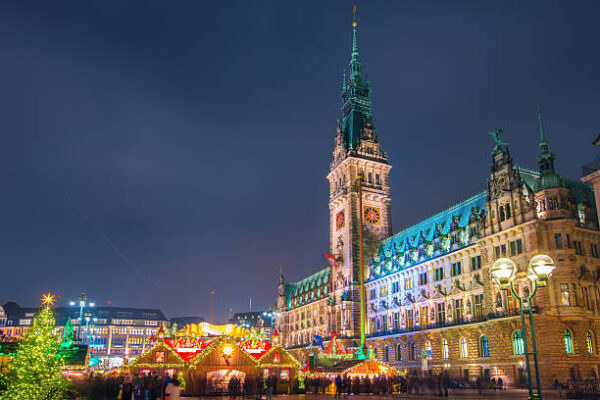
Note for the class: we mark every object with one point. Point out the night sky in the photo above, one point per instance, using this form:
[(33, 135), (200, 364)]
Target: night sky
[(152, 151)]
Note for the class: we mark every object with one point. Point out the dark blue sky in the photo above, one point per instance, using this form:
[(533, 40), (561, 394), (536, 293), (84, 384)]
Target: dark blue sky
[(154, 150)]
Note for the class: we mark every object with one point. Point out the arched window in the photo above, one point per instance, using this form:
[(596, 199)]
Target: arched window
[(377, 179), (590, 343), (464, 349), (375, 352), (445, 350), (411, 352), (568, 342), (386, 354), (484, 347), (518, 344), (399, 352), (502, 217), (370, 176)]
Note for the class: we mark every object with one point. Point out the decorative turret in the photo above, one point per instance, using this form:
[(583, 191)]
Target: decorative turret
[(507, 201), (548, 177)]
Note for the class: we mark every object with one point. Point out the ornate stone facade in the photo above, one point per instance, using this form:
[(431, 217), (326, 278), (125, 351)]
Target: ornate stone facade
[(431, 303)]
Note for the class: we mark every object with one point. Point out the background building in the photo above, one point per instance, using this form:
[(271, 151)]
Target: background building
[(431, 302), (110, 332), (260, 320)]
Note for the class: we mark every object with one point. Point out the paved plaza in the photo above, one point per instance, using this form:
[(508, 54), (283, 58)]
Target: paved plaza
[(462, 394)]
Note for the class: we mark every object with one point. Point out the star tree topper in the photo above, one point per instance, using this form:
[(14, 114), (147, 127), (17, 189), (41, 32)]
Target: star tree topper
[(48, 299)]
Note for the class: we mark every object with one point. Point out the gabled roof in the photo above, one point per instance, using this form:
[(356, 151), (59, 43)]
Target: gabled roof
[(145, 359), (291, 360), (221, 340)]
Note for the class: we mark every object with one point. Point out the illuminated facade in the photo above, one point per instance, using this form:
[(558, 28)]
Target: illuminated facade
[(431, 304)]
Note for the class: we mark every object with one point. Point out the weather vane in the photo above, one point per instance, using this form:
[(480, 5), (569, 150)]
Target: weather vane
[(499, 143)]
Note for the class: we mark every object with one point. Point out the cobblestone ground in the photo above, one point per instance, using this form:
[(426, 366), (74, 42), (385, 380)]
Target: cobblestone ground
[(462, 394)]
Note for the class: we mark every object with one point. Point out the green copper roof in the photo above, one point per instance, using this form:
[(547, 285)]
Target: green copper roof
[(414, 245), (356, 98), (548, 177), (308, 289)]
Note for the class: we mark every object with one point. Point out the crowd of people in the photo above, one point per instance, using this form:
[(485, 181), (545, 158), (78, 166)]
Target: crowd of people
[(127, 387)]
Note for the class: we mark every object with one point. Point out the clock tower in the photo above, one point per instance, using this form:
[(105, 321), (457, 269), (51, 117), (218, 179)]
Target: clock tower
[(357, 154)]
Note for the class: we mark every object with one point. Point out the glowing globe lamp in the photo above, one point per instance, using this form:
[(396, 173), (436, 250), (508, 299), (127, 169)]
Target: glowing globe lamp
[(542, 266), (503, 271)]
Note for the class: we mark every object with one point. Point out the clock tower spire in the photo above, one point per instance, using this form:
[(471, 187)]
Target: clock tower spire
[(357, 155)]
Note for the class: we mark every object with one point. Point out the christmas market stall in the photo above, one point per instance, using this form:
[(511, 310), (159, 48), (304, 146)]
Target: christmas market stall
[(223, 360), (232, 362), (326, 363), (160, 358), (281, 367)]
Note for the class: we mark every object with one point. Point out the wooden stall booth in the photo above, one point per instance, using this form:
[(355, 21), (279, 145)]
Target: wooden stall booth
[(278, 365), (212, 369)]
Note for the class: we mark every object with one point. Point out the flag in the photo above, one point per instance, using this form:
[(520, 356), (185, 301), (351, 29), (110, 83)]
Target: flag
[(319, 341), (332, 260)]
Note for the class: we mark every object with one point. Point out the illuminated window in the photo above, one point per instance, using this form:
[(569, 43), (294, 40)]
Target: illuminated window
[(409, 319), (590, 343), (464, 349), (565, 297), (484, 348), (383, 291), (518, 343), (568, 342), (445, 350)]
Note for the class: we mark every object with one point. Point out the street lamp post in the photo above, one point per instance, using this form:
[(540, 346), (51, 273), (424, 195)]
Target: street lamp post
[(539, 270), (83, 302)]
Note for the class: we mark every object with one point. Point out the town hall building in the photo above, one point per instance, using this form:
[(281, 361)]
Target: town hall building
[(431, 304)]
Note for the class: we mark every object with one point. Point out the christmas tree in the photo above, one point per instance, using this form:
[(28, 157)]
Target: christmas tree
[(36, 371)]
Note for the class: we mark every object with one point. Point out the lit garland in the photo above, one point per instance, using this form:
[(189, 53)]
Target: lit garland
[(214, 345), (36, 372), (138, 364), (295, 363)]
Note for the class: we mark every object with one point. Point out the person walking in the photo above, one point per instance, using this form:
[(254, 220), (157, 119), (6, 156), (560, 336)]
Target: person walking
[(338, 387), (173, 391), (126, 392)]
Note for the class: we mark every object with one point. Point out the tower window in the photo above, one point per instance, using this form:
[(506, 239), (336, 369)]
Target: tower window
[(568, 342), (445, 350), (518, 343), (464, 349), (502, 215), (377, 179), (507, 211), (370, 177), (590, 343)]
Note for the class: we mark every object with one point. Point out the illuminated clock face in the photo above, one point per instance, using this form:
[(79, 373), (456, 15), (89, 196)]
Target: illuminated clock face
[(372, 215), (340, 220)]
